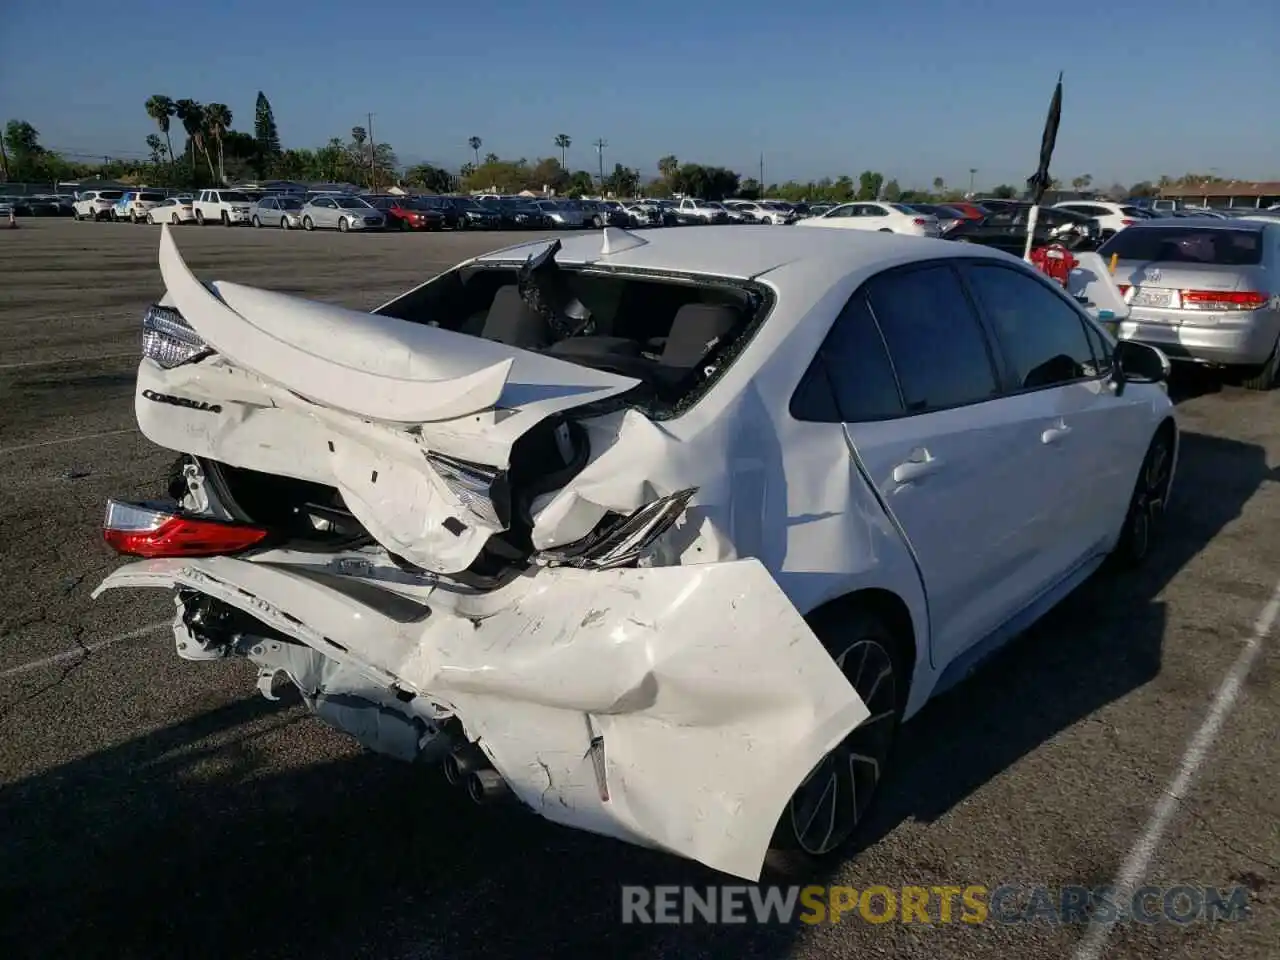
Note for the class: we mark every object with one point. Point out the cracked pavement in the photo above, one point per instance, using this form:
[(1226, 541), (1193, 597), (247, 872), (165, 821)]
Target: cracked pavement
[(150, 806)]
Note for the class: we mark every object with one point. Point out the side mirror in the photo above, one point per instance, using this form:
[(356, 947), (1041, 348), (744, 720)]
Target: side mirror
[(1138, 363)]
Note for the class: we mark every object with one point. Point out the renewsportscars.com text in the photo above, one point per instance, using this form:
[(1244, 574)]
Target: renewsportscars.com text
[(969, 904)]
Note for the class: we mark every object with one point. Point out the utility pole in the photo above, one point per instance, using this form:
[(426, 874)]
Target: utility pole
[(600, 145), (972, 172), (761, 175), (373, 159)]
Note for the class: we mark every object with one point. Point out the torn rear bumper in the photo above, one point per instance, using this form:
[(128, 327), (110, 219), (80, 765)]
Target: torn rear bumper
[(672, 707)]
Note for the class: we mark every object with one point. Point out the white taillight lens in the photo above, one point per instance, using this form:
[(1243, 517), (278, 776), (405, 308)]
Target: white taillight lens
[(168, 339), (481, 489)]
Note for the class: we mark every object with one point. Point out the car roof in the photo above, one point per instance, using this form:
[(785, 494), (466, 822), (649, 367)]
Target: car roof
[(731, 251), (1207, 223)]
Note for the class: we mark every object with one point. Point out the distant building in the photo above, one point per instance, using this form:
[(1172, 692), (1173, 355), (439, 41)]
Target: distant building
[(1223, 194)]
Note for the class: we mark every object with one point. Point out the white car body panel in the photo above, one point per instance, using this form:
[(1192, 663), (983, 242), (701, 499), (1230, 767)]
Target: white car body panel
[(682, 671), (713, 697), (889, 220)]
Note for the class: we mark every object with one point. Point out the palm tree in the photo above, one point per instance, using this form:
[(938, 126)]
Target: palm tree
[(191, 113), (563, 142), (938, 184), (490, 158), (475, 143), (217, 118), (160, 109)]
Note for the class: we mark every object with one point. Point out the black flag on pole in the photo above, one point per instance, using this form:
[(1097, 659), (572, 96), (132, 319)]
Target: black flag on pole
[(1039, 181)]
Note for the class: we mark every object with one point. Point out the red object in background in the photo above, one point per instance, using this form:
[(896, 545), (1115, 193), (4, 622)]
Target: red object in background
[(971, 211), (1054, 261)]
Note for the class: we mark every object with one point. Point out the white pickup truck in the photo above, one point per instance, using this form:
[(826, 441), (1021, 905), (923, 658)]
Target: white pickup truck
[(691, 210)]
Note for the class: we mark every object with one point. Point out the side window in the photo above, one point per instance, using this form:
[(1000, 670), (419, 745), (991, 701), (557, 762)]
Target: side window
[(874, 211), (850, 379), (1101, 349), (934, 338), (1042, 335)]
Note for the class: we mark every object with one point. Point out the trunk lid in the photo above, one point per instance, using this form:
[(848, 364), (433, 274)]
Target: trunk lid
[(413, 425)]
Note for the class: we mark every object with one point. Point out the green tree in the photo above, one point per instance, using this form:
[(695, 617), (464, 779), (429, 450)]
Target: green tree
[(492, 158), (892, 192), (1143, 188), (217, 118), (749, 189), (429, 177), (190, 114), (160, 109), (156, 146), (869, 183), (580, 183), (1081, 182), (28, 160), (939, 184), (266, 133), (564, 142), (1004, 192), (475, 143)]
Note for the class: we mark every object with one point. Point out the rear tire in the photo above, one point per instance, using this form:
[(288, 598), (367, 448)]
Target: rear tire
[(825, 812), (151, 220), (175, 220), (1148, 504), (884, 230), (1263, 378), (308, 223)]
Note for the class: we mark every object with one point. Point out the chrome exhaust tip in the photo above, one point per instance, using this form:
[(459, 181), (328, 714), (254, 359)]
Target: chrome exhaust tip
[(463, 762), (485, 786)]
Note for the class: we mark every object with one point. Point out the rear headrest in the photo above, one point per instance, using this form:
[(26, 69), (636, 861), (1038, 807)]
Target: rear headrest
[(696, 330), (514, 322)]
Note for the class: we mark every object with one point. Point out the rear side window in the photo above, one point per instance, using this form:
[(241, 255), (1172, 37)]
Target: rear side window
[(851, 379), (1227, 248), (1042, 336), (935, 340)]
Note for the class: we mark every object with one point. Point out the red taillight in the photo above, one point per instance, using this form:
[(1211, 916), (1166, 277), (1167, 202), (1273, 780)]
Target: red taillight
[(138, 530), (1123, 288), (1223, 299), (1128, 223), (920, 221)]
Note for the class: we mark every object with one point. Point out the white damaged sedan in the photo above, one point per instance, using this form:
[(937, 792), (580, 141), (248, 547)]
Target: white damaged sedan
[(663, 537)]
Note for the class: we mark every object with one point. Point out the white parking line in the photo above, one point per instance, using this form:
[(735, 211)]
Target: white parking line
[(1144, 848), (84, 651), (51, 443), (51, 363)]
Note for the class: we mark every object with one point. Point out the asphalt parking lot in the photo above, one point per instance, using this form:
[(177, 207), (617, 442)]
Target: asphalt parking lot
[(154, 807)]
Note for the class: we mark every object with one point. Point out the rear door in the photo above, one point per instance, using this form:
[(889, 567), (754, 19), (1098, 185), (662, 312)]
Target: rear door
[(1089, 441), (957, 465)]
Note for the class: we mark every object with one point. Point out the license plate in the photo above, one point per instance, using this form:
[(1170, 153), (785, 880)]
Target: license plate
[(1152, 298)]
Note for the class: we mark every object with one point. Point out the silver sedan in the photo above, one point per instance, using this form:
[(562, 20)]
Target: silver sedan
[(341, 213)]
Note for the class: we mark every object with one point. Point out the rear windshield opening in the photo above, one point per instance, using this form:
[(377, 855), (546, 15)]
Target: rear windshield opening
[(1227, 248), (674, 334)]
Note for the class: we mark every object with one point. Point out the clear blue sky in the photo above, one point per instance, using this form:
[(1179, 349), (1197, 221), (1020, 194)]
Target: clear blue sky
[(915, 88)]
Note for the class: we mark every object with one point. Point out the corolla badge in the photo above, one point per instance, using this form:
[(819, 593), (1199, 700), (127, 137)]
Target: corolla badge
[(1151, 276)]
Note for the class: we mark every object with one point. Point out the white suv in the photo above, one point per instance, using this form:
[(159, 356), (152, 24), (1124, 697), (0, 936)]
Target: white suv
[(96, 204), (225, 206), (1111, 217)]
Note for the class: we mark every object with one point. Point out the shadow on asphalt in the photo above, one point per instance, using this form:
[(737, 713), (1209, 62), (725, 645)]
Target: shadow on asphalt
[(156, 848)]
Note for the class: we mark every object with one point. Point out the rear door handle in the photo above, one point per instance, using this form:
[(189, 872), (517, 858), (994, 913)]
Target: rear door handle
[(1055, 433), (920, 465)]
